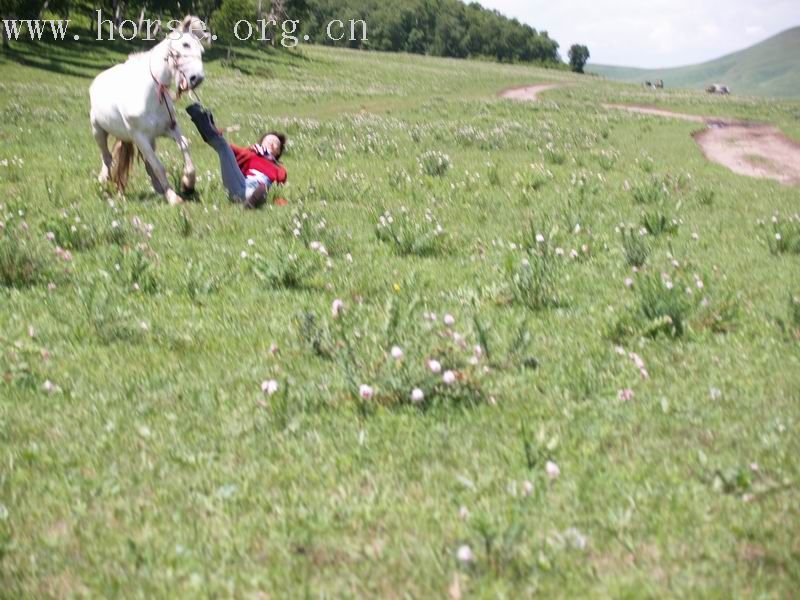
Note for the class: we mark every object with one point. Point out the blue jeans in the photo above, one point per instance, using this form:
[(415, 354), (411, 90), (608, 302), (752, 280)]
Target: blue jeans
[(238, 186)]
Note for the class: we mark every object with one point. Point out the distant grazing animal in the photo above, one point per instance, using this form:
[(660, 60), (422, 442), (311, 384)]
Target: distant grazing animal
[(718, 88), (658, 84), (133, 103)]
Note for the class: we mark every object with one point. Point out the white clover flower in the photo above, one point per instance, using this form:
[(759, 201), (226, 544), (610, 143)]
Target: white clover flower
[(243, 254), (628, 282), (552, 470), (559, 252), (251, 242), (449, 377), (269, 387), (435, 366), (465, 554), (463, 512), (539, 238), (449, 320), (336, 308), (417, 395), (365, 391), (397, 353), (527, 488)]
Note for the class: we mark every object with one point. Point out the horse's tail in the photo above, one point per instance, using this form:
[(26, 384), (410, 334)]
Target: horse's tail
[(121, 163)]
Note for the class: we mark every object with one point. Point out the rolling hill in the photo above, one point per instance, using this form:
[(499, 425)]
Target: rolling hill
[(770, 68)]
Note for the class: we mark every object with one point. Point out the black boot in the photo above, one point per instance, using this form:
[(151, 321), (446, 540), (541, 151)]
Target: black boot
[(204, 121)]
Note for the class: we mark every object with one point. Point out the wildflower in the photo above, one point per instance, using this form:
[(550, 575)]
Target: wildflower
[(577, 228), (365, 391), (397, 353), (243, 254), (296, 232), (699, 284), (625, 395), (539, 238), (465, 554), (449, 320), (573, 253), (527, 488), (114, 224), (449, 377), (50, 236), (336, 308), (417, 395), (559, 252), (628, 282), (668, 284), (269, 387), (778, 237), (49, 387), (463, 512), (552, 470), (585, 248), (251, 242), (695, 236), (349, 257), (435, 366)]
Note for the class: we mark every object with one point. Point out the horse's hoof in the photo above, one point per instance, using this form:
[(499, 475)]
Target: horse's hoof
[(173, 198)]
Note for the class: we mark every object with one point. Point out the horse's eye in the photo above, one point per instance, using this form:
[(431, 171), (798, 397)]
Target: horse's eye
[(186, 45)]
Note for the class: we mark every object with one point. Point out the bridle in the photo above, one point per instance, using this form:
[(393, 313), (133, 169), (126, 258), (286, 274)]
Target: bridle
[(164, 95)]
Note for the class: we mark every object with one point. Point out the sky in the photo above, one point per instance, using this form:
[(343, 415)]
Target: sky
[(654, 33)]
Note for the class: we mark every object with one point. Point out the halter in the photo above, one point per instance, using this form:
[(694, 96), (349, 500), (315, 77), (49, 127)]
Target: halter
[(164, 95)]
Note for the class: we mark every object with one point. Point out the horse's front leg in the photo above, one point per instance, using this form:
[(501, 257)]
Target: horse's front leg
[(189, 178), (156, 170)]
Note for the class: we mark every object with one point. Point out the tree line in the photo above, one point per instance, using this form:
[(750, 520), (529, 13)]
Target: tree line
[(435, 27)]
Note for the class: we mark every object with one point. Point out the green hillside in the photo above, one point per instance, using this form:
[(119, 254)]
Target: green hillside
[(770, 68)]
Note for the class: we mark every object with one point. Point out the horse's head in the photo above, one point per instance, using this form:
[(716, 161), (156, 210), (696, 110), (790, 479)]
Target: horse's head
[(186, 54)]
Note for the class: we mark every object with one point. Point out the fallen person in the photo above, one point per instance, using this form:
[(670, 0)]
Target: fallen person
[(247, 173)]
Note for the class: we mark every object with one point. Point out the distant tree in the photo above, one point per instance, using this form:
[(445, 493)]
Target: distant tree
[(226, 17), (578, 55)]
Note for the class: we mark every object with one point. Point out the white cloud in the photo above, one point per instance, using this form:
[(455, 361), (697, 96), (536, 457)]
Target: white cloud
[(654, 33)]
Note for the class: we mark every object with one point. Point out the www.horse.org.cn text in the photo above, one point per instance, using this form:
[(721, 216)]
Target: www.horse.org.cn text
[(268, 31)]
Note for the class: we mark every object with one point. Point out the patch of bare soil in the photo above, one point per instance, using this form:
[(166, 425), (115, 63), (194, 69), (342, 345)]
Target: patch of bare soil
[(529, 93), (750, 149)]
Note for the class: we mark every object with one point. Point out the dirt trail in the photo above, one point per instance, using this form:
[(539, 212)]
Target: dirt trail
[(746, 148), (528, 93), (750, 149)]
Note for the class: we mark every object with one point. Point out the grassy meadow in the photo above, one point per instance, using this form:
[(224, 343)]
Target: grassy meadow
[(488, 349)]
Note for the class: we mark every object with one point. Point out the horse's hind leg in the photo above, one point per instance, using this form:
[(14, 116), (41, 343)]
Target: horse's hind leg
[(101, 137)]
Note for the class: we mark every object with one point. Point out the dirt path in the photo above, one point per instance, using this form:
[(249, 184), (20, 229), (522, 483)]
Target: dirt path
[(529, 93), (750, 149)]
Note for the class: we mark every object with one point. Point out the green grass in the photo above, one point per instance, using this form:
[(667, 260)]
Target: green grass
[(769, 68), (139, 455)]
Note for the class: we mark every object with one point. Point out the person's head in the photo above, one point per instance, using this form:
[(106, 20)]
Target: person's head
[(274, 143)]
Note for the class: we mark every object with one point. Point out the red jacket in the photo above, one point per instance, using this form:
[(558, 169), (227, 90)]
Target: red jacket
[(249, 160)]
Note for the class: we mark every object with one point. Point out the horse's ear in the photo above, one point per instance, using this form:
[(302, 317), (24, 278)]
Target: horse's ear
[(196, 27), (186, 24)]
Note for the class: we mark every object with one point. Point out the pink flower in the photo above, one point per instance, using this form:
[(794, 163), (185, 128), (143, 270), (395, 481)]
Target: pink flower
[(336, 308), (625, 395), (449, 377), (365, 391), (449, 320), (269, 387)]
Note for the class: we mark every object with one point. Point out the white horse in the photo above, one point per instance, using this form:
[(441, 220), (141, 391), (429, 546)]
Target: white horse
[(132, 102)]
